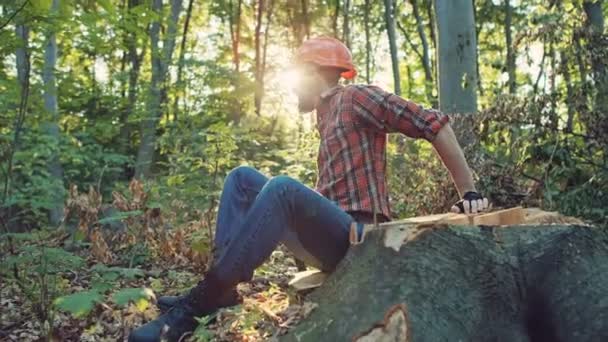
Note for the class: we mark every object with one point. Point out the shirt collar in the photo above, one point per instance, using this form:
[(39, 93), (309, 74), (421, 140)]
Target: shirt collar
[(331, 92)]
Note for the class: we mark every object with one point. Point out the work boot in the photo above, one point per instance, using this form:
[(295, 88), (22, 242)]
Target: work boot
[(230, 298), (202, 300)]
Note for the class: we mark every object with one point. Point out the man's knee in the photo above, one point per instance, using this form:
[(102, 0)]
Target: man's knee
[(241, 171), (281, 183)]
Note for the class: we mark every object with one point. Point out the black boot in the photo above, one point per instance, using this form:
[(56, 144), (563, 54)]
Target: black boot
[(230, 298), (202, 300)]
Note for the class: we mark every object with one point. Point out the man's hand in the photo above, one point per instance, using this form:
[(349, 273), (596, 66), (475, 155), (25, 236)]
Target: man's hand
[(471, 203)]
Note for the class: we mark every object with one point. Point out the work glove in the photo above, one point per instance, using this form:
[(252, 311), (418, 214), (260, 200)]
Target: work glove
[(471, 203)]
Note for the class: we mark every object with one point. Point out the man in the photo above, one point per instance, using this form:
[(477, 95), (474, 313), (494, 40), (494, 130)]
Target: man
[(257, 213)]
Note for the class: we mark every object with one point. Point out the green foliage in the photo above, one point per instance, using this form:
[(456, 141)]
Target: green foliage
[(140, 297), (39, 272), (79, 304), (202, 333)]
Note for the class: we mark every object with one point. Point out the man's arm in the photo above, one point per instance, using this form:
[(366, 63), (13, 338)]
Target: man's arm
[(451, 154)]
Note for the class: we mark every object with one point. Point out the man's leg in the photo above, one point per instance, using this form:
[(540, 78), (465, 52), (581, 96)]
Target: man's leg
[(241, 187), (283, 204)]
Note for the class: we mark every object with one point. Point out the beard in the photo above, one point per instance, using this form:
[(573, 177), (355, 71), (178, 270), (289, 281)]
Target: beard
[(306, 104)]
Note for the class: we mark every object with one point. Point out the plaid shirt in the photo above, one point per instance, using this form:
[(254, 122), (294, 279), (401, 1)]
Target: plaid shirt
[(353, 123)]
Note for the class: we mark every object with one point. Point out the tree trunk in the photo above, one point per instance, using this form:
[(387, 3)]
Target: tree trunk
[(457, 62), (266, 35), (181, 61), (135, 61), (258, 57), (346, 24), (235, 33), (510, 52), (389, 16), (306, 18), (412, 282), (234, 21), (51, 127), (334, 21), (426, 62), (597, 45), (368, 44), (22, 61), (160, 61), (570, 100)]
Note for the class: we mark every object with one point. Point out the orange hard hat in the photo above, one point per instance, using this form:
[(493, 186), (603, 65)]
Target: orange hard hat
[(327, 52)]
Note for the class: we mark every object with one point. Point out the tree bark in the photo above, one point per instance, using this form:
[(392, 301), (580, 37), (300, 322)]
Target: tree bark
[(368, 44), (510, 53), (258, 93), (598, 125), (51, 127), (457, 63), (181, 61), (389, 16), (266, 35), (22, 61), (346, 24), (306, 18), (426, 62), (464, 283), (335, 16), (135, 61), (160, 60), (570, 100)]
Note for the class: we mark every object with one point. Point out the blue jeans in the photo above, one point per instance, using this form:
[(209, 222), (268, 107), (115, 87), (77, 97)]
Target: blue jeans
[(257, 213)]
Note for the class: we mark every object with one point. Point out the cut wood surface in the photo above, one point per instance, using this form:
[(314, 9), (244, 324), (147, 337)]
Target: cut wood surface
[(526, 282), (307, 280)]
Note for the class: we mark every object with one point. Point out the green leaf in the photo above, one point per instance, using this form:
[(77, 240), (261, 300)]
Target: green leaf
[(139, 296), (78, 304)]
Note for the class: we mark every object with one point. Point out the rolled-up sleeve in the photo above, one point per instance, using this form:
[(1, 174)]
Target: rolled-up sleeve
[(393, 113)]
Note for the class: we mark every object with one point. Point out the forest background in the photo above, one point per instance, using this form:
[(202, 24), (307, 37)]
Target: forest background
[(120, 118)]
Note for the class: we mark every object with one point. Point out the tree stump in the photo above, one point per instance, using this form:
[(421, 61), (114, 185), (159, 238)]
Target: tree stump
[(439, 282)]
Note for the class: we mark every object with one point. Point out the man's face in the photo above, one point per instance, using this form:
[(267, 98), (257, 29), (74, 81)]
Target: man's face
[(307, 86)]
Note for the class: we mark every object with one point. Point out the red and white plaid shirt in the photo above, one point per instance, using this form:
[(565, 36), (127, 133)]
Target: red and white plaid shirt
[(353, 122)]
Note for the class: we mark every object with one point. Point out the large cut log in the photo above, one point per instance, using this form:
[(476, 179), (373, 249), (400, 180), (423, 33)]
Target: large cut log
[(436, 282)]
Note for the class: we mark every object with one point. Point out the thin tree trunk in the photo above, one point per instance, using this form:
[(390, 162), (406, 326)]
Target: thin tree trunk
[(368, 44), (22, 61), (258, 58), (426, 62), (181, 61), (478, 27), (306, 18), (235, 31), (431, 25), (390, 30), (160, 60), (510, 52), (569, 93), (51, 127), (335, 18), (346, 23), (234, 20), (135, 61), (595, 24), (266, 35), (553, 87)]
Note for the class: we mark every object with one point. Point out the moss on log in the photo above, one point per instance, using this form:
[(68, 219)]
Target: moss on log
[(408, 282)]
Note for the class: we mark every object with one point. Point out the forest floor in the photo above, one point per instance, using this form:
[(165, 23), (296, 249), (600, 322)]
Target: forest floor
[(269, 308), (174, 261)]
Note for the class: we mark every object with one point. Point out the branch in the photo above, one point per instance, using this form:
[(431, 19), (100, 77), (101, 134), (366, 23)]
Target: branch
[(407, 37), (14, 14)]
